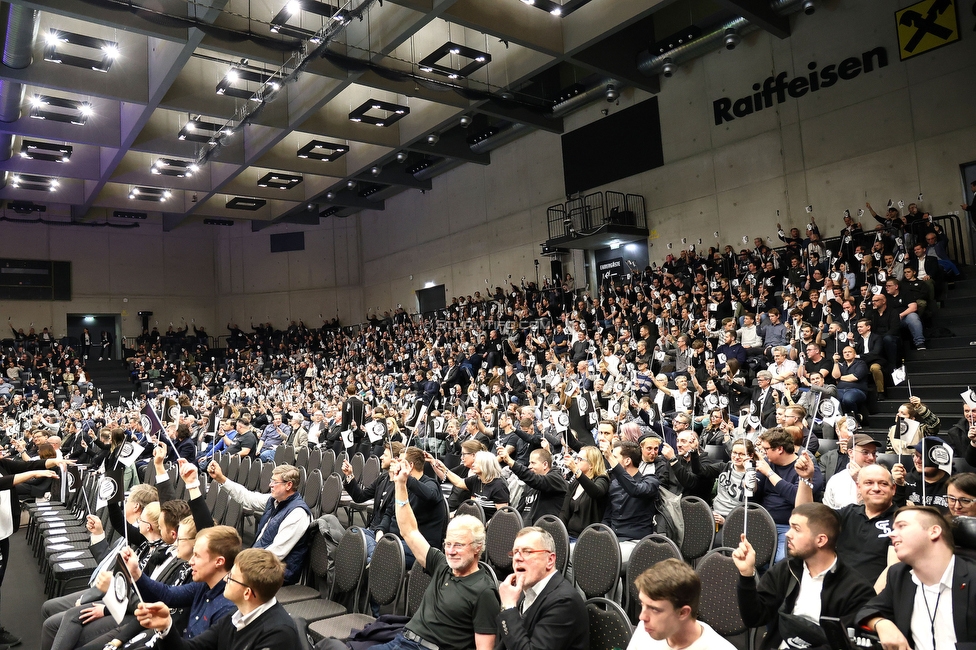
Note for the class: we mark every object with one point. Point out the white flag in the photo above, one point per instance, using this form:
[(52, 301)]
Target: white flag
[(898, 375)]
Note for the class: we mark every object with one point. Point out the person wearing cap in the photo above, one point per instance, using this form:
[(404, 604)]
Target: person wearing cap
[(908, 485), (928, 602), (842, 488)]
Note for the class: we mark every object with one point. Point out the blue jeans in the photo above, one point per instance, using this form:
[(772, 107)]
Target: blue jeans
[(268, 455), (914, 325), (851, 399), (399, 643), (780, 542)]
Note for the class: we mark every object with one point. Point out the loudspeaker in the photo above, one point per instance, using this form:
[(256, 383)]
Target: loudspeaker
[(60, 280)]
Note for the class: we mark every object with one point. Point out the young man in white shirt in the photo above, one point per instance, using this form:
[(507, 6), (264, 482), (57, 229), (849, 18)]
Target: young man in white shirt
[(669, 596)]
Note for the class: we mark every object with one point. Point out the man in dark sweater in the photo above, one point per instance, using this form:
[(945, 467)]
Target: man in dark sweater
[(545, 490), (260, 621), (630, 511)]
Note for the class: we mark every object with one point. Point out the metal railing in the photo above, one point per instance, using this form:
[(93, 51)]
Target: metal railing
[(591, 212)]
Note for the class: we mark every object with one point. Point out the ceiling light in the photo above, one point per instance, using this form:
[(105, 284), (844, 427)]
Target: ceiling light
[(127, 214), (321, 150), (173, 167), (401, 156), (668, 68), (293, 7), (244, 203), (612, 93), (351, 184), (432, 62), (80, 51), (198, 130), (142, 193), (34, 182), (59, 109), (279, 180), (556, 11), (732, 39), (279, 24), (46, 151), (390, 113), (330, 196), (250, 78), (218, 222), (376, 170), (433, 139), (465, 121), (808, 7)]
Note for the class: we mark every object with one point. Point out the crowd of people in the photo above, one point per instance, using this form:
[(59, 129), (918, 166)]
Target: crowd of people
[(714, 376)]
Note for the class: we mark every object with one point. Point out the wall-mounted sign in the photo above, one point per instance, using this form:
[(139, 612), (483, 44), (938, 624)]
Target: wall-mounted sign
[(776, 89), (925, 26)]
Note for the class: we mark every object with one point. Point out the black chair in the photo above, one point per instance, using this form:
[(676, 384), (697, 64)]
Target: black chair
[(473, 508), (315, 460), (719, 605), (371, 471), (500, 534), (312, 492), (959, 465), (827, 445), (267, 469), (386, 572), (610, 629), (220, 505), (233, 515), (648, 552), (350, 566), (596, 560), (245, 470), (253, 481), (557, 529), (890, 460), (318, 564), (301, 458), (699, 528), (417, 582), (233, 467), (331, 493), (760, 531), (717, 452), (328, 464)]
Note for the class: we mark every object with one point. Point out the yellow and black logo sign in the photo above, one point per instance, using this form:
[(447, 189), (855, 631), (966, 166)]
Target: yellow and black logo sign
[(925, 26)]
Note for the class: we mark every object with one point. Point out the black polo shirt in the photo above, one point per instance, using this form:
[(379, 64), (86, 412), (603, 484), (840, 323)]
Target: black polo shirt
[(863, 543)]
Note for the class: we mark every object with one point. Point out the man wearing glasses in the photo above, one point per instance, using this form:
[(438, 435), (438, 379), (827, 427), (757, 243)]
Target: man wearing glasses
[(540, 609), (886, 323), (285, 517), (460, 607)]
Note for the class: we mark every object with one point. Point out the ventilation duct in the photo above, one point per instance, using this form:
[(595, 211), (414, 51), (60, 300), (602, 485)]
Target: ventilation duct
[(6, 146), (21, 31), (18, 44), (653, 64)]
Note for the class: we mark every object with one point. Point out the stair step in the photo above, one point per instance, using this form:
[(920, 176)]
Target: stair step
[(962, 351), (952, 342)]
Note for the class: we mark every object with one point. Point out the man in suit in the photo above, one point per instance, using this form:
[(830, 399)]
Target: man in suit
[(260, 621), (352, 411), (942, 614), (870, 349), (539, 608), (764, 399)]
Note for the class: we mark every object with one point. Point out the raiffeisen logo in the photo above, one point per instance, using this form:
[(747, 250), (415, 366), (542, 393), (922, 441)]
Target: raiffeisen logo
[(777, 88)]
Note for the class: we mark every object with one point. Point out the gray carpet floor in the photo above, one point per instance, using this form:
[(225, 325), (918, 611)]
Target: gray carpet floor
[(22, 594)]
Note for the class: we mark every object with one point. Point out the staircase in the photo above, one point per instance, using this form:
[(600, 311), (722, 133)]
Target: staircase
[(110, 377), (939, 374)]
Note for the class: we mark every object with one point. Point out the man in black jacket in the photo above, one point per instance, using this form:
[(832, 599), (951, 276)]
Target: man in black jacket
[(785, 599), (260, 621), (943, 613), (545, 490), (539, 608), (694, 474), (381, 492), (630, 510)]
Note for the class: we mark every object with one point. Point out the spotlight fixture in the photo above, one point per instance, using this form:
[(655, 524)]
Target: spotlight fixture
[(294, 8), (268, 83), (321, 150), (244, 203), (174, 167), (218, 222), (402, 156), (330, 196), (389, 113), (376, 170), (808, 7), (483, 135), (668, 68), (140, 193), (668, 43), (26, 207), (465, 121), (328, 212), (46, 151), (199, 130), (279, 180), (59, 45), (370, 189), (351, 184), (556, 8), (732, 39), (60, 109), (34, 182), (423, 164), (612, 93), (476, 58), (433, 139), (126, 214)]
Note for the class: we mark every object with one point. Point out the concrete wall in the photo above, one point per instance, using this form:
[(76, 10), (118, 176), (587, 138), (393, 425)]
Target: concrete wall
[(322, 281), (116, 271), (887, 134)]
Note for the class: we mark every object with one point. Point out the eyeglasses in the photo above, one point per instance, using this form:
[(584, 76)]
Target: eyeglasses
[(456, 546), (523, 552), (238, 582), (963, 501), (143, 521)]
